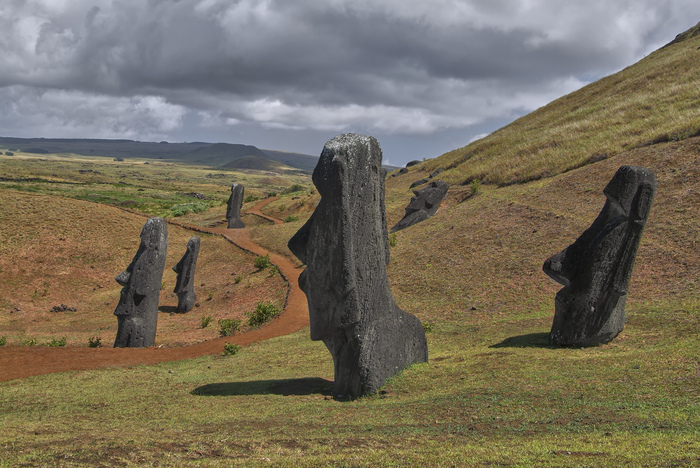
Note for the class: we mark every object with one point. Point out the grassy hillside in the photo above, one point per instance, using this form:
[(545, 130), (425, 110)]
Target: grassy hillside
[(494, 392), (652, 101)]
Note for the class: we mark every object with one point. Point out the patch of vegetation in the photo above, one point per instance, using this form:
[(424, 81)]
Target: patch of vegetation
[(228, 327), (263, 313), (3, 340), (206, 320), (291, 219), (392, 239), (262, 261), (57, 343), (238, 279), (475, 186), (231, 349), (428, 326), (186, 208), (294, 188), (94, 342), (29, 342), (250, 198)]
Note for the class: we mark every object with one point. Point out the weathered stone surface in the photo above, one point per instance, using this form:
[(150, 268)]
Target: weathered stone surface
[(233, 210), (137, 312), (401, 171), (185, 269), (423, 205), (435, 173), (596, 269), (345, 248), (422, 181), (413, 163)]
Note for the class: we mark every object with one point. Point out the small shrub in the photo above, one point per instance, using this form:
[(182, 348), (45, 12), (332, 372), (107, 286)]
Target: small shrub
[(231, 349), (94, 342), (210, 295), (428, 327), (291, 219), (57, 343), (262, 262), (250, 198), (392, 240), (206, 320), (263, 313), (3, 340), (271, 194), (238, 279), (475, 186), (273, 271), (295, 188), (228, 327), (162, 285), (30, 342), (281, 207)]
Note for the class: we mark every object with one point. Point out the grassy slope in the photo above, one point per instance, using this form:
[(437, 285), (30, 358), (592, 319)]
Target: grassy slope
[(493, 391)]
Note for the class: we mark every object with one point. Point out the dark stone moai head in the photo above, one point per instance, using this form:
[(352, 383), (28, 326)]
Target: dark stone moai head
[(596, 269), (137, 312), (423, 205), (233, 210), (185, 268), (345, 248)]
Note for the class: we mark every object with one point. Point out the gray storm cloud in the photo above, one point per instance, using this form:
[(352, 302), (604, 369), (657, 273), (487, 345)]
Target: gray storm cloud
[(168, 69)]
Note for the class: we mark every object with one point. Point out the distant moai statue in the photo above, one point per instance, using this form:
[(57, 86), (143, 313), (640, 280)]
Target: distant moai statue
[(596, 269), (345, 248), (423, 205), (137, 311), (233, 210), (185, 268)]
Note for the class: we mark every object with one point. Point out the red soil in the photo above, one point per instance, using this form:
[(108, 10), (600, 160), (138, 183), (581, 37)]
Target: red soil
[(23, 361)]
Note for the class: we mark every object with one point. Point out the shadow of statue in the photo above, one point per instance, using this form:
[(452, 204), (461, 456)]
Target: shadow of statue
[(531, 340), (285, 387), (168, 310)]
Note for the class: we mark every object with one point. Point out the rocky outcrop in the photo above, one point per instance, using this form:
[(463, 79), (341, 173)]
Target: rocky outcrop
[(596, 269), (137, 312), (345, 248)]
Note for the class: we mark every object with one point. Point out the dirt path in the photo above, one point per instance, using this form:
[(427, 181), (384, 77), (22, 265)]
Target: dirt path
[(22, 361)]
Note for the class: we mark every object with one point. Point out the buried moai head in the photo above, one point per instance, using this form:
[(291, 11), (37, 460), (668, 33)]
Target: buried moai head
[(596, 269), (185, 268), (423, 205), (345, 248), (137, 312), (233, 209)]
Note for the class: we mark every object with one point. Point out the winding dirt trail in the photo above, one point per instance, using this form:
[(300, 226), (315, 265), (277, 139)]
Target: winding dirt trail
[(22, 361)]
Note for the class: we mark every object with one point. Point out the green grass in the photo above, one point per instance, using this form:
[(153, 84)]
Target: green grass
[(652, 101)]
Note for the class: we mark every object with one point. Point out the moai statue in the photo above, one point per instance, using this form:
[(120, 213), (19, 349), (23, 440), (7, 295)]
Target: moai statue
[(423, 205), (137, 311), (185, 268), (596, 269), (233, 210), (345, 248)]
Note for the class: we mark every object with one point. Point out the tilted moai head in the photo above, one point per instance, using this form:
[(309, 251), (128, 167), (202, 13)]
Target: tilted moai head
[(185, 268), (233, 209), (137, 312), (423, 205), (345, 248), (596, 269)]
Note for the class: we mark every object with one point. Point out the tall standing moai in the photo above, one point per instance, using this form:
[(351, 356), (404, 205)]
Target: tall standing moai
[(596, 269), (185, 268), (233, 210), (137, 311), (345, 248)]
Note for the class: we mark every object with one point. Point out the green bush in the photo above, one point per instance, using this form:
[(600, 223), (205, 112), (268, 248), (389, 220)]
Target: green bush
[(54, 343), (262, 262), (231, 349), (295, 188), (392, 239), (185, 208), (228, 327), (238, 279), (94, 342), (428, 326), (271, 194), (250, 198), (30, 342), (281, 207), (206, 320), (3, 340), (291, 219), (264, 312), (475, 186)]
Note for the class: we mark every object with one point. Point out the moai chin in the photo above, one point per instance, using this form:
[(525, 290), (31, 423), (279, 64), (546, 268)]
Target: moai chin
[(137, 312), (233, 209), (345, 248), (185, 269), (596, 269)]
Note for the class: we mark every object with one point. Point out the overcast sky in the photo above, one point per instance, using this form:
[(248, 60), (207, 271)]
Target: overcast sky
[(424, 77)]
